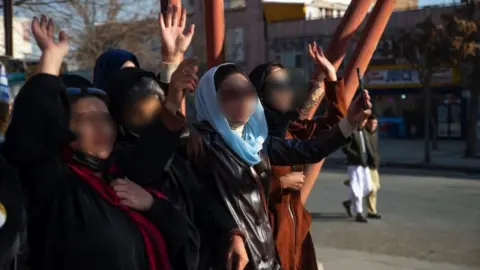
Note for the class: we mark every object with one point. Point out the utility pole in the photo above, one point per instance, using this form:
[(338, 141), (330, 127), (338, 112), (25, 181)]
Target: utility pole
[(8, 26)]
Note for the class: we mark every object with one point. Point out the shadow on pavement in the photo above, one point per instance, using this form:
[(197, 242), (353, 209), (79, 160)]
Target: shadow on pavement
[(342, 168), (330, 216)]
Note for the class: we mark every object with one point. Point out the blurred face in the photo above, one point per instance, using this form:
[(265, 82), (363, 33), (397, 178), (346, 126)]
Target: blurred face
[(278, 92), (142, 112), (128, 64), (94, 126), (372, 125), (237, 99)]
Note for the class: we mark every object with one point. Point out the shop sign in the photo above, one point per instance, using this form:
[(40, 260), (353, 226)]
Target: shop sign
[(406, 77)]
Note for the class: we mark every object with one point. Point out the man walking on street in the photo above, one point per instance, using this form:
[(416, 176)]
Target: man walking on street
[(362, 162)]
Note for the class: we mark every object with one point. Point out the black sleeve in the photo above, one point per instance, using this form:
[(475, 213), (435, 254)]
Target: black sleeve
[(145, 162), (171, 223), (40, 122), (288, 152)]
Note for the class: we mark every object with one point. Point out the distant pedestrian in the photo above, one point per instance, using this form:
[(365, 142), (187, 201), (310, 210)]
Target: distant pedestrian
[(373, 165), (359, 160)]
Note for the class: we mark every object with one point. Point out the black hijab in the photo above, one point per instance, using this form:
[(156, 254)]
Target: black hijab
[(277, 121), (126, 87)]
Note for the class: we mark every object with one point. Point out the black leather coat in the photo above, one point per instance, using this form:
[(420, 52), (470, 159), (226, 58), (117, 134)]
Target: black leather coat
[(241, 189)]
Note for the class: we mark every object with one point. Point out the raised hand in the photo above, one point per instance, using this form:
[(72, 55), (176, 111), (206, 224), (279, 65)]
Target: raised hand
[(132, 195), (357, 114), (43, 31), (323, 66), (183, 80), (172, 36), (52, 52)]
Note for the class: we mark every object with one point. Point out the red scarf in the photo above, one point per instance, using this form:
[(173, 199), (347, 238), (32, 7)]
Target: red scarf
[(154, 243)]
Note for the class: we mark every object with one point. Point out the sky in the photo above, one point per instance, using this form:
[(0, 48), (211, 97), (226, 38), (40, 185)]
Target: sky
[(435, 2)]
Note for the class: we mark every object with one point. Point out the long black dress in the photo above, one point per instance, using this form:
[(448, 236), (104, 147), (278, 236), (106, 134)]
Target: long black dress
[(70, 225)]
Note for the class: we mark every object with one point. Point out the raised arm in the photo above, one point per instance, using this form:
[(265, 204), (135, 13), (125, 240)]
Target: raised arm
[(316, 87), (156, 145), (175, 41), (290, 152), (40, 122)]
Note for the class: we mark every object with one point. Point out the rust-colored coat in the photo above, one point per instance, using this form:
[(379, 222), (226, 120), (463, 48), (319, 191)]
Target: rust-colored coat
[(289, 219)]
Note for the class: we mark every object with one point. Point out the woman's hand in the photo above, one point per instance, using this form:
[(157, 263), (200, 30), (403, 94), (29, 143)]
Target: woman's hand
[(172, 26), (237, 254), (293, 180), (132, 195), (183, 79), (52, 52), (357, 114), (323, 67)]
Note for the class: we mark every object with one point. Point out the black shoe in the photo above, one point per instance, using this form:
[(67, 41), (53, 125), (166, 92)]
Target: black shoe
[(347, 205), (361, 219), (374, 216)]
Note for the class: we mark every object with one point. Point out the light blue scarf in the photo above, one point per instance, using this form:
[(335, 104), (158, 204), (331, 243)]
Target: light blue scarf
[(255, 131)]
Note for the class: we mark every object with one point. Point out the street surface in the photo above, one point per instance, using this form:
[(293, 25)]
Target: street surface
[(429, 222)]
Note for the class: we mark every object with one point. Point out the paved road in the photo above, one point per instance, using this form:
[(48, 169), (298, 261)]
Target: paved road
[(430, 222)]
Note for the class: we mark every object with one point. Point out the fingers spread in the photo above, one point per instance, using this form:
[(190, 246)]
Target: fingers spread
[(183, 19), (50, 28)]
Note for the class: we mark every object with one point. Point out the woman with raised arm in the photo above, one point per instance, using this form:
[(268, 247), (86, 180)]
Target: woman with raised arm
[(289, 189), (83, 211), (234, 154)]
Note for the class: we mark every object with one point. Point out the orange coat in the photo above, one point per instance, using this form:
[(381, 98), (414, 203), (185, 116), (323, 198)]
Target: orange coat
[(289, 219)]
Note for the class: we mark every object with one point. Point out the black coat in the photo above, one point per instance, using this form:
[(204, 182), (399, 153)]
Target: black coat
[(209, 225), (11, 198), (354, 154), (243, 190), (70, 225)]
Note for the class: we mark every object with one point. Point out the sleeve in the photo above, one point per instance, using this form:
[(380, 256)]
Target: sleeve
[(212, 215), (349, 151), (170, 221), (153, 150), (40, 122), (336, 104), (287, 152)]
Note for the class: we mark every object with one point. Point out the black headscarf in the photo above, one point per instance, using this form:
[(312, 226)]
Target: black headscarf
[(108, 63), (277, 121), (125, 88)]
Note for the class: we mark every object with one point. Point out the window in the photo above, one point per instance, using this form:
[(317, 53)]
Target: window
[(234, 4), (234, 49), (299, 59), (189, 5)]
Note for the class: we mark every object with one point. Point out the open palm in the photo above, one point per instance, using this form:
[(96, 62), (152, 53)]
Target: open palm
[(43, 31), (172, 27), (323, 65)]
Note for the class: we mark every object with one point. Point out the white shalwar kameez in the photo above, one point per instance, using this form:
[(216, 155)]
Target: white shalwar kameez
[(360, 184)]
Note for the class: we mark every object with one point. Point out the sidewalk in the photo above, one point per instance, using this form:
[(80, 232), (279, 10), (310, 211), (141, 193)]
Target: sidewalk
[(409, 154), (336, 259)]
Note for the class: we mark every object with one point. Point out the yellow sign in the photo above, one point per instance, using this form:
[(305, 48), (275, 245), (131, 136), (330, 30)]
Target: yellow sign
[(279, 12)]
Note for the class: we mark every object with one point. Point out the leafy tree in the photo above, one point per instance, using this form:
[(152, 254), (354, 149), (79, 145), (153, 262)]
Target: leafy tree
[(425, 47), (462, 29)]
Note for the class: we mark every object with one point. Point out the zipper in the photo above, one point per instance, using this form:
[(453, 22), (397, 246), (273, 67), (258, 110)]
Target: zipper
[(294, 227)]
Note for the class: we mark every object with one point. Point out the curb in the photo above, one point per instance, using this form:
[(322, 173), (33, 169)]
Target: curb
[(431, 166)]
